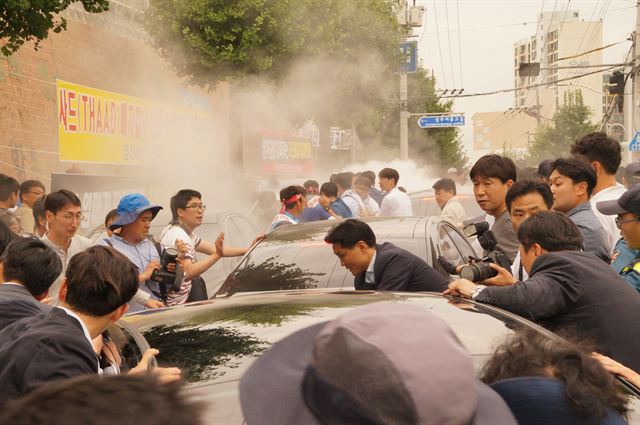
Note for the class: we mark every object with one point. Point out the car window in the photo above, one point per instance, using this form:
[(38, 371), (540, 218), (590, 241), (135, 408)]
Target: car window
[(129, 347), (447, 247), (463, 246)]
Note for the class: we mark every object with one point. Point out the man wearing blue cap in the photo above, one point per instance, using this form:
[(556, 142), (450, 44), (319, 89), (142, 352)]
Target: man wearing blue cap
[(134, 216), (626, 255)]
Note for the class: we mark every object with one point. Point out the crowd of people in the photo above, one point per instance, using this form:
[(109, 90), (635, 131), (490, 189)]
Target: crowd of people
[(570, 231)]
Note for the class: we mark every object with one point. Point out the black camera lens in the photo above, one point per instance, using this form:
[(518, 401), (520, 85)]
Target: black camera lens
[(477, 272)]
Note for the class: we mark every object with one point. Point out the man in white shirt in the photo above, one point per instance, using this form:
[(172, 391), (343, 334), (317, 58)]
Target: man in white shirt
[(451, 208), (348, 196), (395, 202), (370, 207), (605, 156), (187, 211), (63, 213)]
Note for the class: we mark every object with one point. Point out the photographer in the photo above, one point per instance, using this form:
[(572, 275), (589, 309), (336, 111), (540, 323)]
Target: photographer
[(134, 216), (187, 212), (568, 290)]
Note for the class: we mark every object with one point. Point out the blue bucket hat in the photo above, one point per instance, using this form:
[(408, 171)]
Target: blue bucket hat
[(130, 207)]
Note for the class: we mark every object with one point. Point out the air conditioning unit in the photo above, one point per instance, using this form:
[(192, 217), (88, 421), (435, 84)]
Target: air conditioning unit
[(415, 16)]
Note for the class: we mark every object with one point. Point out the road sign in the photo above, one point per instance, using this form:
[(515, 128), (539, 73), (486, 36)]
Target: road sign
[(436, 121), (409, 51), (634, 145)]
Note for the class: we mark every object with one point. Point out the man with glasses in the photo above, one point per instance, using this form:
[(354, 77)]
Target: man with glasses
[(30, 192), (626, 255), (63, 212), (187, 212)]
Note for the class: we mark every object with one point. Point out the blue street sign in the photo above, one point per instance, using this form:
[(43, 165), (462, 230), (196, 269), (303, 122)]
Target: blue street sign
[(634, 145), (409, 51), (436, 121)]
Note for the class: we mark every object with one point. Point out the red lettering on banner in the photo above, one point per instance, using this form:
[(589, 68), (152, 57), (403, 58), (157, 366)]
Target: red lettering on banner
[(130, 112), (72, 110), (138, 121), (106, 120), (113, 123), (98, 117), (92, 114), (83, 99), (62, 115), (123, 118)]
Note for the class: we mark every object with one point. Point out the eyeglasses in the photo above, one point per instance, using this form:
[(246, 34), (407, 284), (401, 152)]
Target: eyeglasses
[(619, 222), (36, 193), (71, 217), (197, 207)]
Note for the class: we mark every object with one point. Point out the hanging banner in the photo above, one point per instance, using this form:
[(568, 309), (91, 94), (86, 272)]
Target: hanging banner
[(100, 126)]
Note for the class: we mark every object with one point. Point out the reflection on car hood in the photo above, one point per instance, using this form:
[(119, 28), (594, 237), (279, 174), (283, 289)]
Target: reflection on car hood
[(216, 341)]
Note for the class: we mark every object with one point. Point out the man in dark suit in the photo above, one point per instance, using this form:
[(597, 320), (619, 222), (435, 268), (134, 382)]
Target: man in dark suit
[(382, 267), (57, 345), (568, 291), (28, 268)]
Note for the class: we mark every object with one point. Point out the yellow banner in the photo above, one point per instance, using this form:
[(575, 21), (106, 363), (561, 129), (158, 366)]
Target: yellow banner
[(101, 126)]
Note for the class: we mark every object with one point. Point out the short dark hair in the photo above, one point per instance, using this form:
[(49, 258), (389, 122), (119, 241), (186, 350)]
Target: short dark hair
[(99, 280), (55, 201), (290, 191), (38, 210), (370, 175), (578, 171), (363, 180), (310, 183), (6, 237), (445, 184), (389, 173), (92, 400), (8, 186), (110, 216), (545, 168), (589, 389), (27, 185), (494, 166), (552, 230), (597, 146), (30, 262), (344, 180), (349, 232), (180, 201), (329, 189), (525, 187)]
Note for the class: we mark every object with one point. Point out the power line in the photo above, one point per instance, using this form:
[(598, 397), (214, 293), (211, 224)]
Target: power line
[(564, 17), (435, 14), (459, 42), (453, 75), (530, 86)]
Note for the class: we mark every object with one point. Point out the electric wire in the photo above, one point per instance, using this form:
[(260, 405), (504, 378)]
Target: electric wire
[(459, 43), (435, 15), (453, 75)]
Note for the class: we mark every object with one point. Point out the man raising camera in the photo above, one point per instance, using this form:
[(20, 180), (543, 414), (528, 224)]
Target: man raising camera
[(187, 212), (568, 289), (134, 216)]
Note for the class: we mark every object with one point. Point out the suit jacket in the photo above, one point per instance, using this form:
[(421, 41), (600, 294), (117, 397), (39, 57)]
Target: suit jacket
[(16, 302), (40, 349), (574, 292), (396, 269)]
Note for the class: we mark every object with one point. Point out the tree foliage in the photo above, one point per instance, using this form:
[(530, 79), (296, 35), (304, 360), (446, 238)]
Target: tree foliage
[(209, 41), (570, 122), (27, 20)]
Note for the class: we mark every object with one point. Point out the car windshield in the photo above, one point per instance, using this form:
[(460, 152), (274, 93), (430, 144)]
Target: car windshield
[(296, 257), (215, 343)]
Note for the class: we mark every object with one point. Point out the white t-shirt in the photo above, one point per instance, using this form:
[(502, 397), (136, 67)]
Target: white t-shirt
[(170, 234), (396, 204), (608, 221), (454, 212)]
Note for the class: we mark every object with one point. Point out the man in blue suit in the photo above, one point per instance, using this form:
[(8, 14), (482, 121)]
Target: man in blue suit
[(383, 267)]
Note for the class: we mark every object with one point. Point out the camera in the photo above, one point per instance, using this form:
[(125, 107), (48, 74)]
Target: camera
[(167, 280), (479, 269)]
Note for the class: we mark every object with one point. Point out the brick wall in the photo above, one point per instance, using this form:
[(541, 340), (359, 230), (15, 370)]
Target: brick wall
[(106, 51)]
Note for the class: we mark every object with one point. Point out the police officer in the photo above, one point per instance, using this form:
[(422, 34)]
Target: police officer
[(626, 256)]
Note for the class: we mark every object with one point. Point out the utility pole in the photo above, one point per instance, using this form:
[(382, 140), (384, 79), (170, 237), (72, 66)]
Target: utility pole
[(404, 118)]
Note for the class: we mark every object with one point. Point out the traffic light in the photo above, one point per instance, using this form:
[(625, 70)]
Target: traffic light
[(616, 87)]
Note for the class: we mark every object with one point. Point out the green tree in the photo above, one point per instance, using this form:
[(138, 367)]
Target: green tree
[(570, 122), (208, 41), (26, 20)]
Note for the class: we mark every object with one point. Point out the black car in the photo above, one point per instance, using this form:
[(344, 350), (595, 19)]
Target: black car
[(296, 256), (215, 341)]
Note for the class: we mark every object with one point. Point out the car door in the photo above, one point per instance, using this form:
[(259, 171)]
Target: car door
[(447, 241)]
